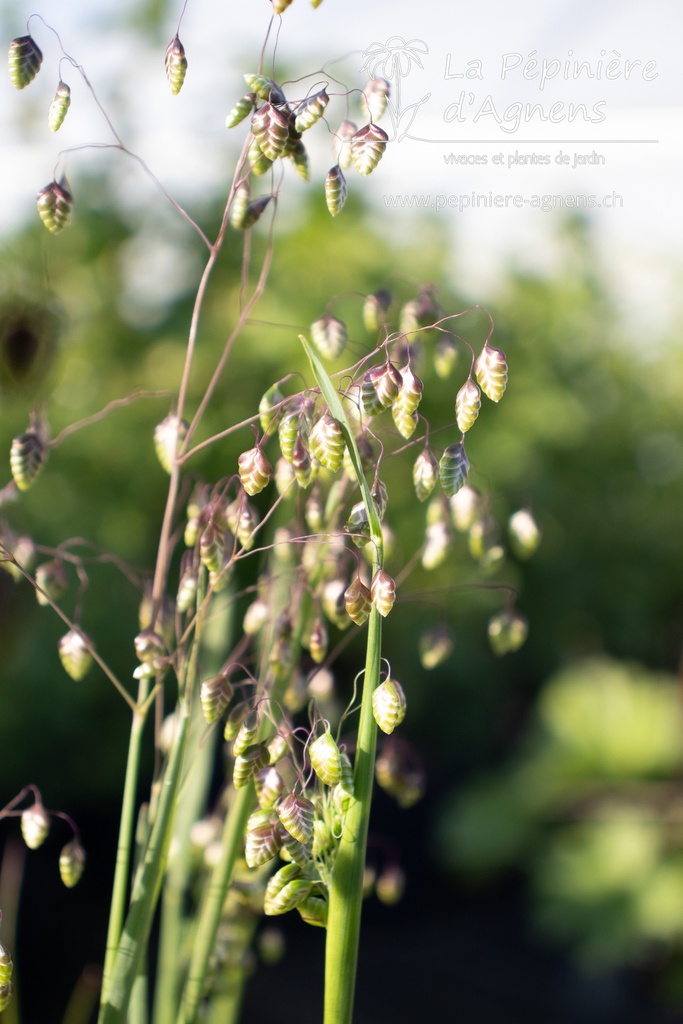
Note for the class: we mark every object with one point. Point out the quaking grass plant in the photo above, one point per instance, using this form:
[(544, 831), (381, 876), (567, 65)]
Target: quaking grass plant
[(288, 831)]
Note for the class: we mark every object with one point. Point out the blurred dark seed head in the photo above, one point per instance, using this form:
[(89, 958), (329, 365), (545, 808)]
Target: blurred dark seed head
[(29, 335)]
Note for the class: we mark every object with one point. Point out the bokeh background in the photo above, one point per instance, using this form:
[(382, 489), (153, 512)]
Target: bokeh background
[(545, 863)]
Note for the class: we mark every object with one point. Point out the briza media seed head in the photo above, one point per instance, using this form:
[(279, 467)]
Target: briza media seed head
[(168, 438), (255, 470), (241, 110), (467, 405), (258, 161), (358, 601), (329, 335), (250, 761), (327, 442), (287, 431), (525, 535), (280, 6), (332, 601), (344, 134), (240, 205), (71, 863), (376, 97), (314, 909), (383, 592), (399, 772), (212, 547), (265, 88), (445, 356), (297, 814), (54, 204), (453, 469), (491, 371), (269, 786), (5, 996), (311, 110), (187, 590), (507, 632), (151, 651), (270, 127), (6, 966), (246, 733), (25, 58), (262, 839), (435, 647), (215, 694), (335, 190), (35, 826), (466, 507), (255, 617), (285, 890), (389, 705), (176, 65), (318, 641), (28, 455), (391, 885), (436, 545), (292, 850), (326, 759), (367, 148), (302, 464), (53, 579), (59, 106), (268, 406), (375, 310), (298, 154), (74, 653), (254, 211), (425, 474)]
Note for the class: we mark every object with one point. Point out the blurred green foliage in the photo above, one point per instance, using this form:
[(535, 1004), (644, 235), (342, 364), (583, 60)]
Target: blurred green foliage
[(590, 803)]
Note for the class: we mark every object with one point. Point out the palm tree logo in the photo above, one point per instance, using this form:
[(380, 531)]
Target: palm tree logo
[(393, 60)]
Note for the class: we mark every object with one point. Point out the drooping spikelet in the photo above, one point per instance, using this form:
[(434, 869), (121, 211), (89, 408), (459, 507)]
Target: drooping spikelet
[(25, 58), (54, 204), (59, 106), (176, 65), (491, 371)]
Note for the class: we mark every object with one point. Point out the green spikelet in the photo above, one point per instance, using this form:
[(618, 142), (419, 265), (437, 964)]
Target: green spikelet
[(262, 838), (491, 371), (212, 547), (255, 470), (240, 206), (326, 759), (267, 407), (265, 88), (329, 335), (313, 910), (311, 110), (375, 97), (71, 863), (270, 127), (54, 204), (344, 134), (74, 654), (35, 826), (248, 763), (367, 148), (383, 592), (525, 535), (280, 6), (246, 734), (507, 632), (453, 469), (59, 106), (375, 309), (302, 463), (467, 405), (214, 696), (335, 190), (28, 454), (24, 61), (288, 429), (358, 602), (327, 442), (297, 814), (6, 967), (242, 109), (52, 578), (285, 890), (299, 157), (168, 437), (269, 787), (389, 705), (176, 65), (258, 161)]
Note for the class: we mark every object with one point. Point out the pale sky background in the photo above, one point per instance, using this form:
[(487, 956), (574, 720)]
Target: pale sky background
[(185, 142)]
